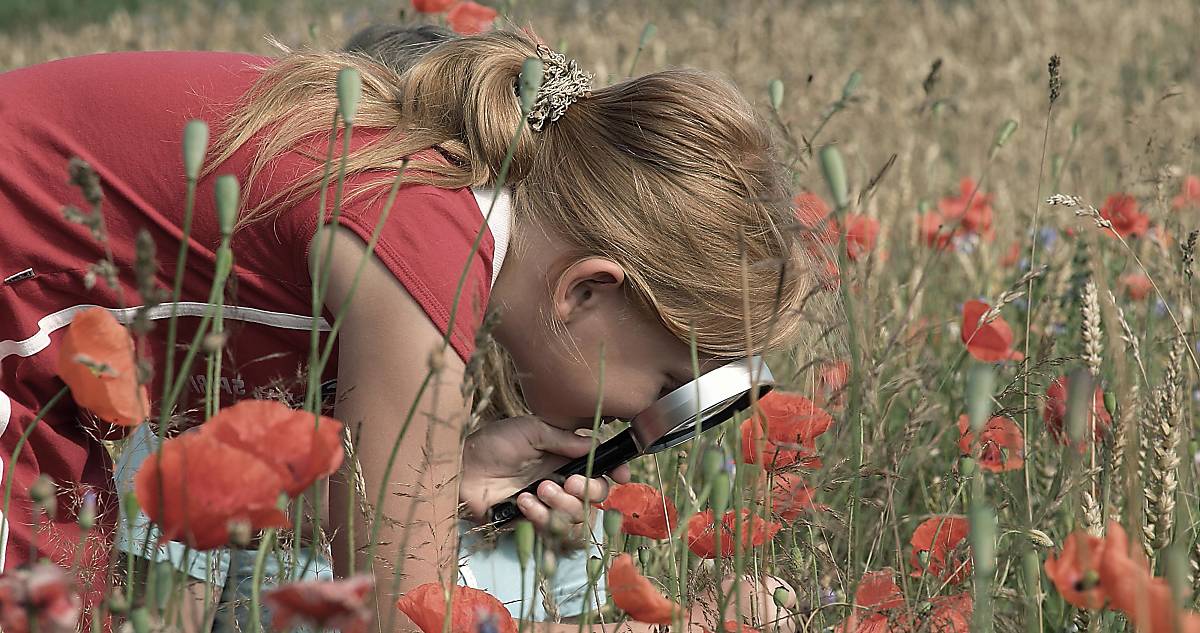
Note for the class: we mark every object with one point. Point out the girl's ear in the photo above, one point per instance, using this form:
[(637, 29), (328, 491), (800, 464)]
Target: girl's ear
[(584, 285)]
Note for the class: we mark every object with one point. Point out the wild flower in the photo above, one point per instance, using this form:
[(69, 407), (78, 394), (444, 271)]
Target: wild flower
[(644, 510), (1000, 445), (469, 608), (97, 361), (636, 595), (1127, 220)]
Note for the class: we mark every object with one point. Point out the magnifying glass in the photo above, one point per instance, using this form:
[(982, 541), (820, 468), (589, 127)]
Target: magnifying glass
[(677, 417)]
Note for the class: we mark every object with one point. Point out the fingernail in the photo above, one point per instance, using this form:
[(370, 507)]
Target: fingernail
[(524, 500)]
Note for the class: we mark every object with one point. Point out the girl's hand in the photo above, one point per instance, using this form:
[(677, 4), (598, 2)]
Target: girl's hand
[(506, 455)]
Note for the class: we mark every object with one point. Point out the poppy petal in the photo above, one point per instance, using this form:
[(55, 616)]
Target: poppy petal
[(636, 595), (96, 359), (426, 607)]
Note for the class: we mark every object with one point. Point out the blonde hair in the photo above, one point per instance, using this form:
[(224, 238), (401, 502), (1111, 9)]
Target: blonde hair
[(670, 174)]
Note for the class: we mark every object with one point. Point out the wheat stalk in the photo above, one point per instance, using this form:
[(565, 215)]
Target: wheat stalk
[(1092, 345), (1093, 521), (1162, 446)]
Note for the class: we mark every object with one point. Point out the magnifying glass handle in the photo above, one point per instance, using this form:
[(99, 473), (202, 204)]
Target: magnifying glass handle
[(616, 451)]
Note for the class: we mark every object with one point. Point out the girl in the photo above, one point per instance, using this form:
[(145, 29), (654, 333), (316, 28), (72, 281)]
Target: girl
[(633, 217)]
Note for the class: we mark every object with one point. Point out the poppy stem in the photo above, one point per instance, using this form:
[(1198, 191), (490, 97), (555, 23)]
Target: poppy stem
[(260, 560)]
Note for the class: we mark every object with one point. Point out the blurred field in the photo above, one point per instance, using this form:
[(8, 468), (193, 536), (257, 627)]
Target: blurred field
[(1126, 122)]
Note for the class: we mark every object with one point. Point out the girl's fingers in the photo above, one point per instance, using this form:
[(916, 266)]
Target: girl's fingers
[(559, 500), (620, 474), (593, 490), (534, 510)]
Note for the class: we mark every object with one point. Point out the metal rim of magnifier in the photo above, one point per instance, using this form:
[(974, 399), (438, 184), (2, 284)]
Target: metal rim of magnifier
[(672, 419)]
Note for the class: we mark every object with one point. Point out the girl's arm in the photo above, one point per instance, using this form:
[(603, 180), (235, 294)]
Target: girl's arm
[(387, 346)]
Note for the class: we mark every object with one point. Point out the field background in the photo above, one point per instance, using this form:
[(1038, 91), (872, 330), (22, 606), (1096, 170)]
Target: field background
[(1126, 121)]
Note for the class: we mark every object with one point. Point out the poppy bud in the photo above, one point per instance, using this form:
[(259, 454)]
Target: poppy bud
[(612, 524), (835, 175), (644, 555), (711, 463), (530, 83), (523, 534), (923, 558), (967, 467), (851, 85), (648, 34), (783, 597), (1110, 403), (719, 497), (549, 562), (775, 90), (43, 494), (195, 144), (1002, 135), (87, 513), (227, 203), (349, 92), (131, 506), (594, 567)]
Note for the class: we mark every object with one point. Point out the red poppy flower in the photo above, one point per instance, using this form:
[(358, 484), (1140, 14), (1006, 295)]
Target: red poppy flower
[(324, 604), (937, 540), (755, 530), (946, 614), (1136, 285), (943, 614), (990, 342), (1055, 413), (1122, 210), (815, 219), (702, 532), (792, 424), (1001, 445), (702, 536), (1189, 196), (636, 595), (790, 496), (1012, 257), (469, 18), (469, 608), (1147, 601), (300, 448), (432, 6), (38, 599), (972, 209), (861, 232), (931, 224), (878, 590), (1075, 571), (195, 487), (642, 510), (96, 359)]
